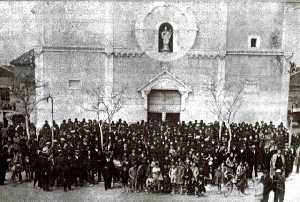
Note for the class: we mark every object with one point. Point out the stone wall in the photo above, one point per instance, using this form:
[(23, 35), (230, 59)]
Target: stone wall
[(20, 30), (61, 67), (98, 42)]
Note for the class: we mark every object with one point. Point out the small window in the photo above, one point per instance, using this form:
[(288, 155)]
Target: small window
[(253, 41), (74, 84)]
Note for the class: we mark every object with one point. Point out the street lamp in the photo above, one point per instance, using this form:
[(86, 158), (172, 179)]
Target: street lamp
[(52, 132)]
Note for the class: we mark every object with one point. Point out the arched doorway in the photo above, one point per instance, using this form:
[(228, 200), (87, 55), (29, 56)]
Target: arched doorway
[(164, 105)]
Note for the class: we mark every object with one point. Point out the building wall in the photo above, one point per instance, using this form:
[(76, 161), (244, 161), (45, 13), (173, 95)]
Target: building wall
[(264, 69), (262, 18), (20, 30), (61, 68), (97, 42), (292, 44), (292, 31)]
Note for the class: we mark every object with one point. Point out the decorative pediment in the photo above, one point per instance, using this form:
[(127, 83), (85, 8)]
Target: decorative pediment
[(165, 81)]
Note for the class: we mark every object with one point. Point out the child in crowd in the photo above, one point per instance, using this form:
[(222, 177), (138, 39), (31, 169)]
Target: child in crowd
[(149, 184), (179, 175), (219, 177), (124, 177), (200, 186), (166, 184), (172, 174), (156, 176), (132, 178)]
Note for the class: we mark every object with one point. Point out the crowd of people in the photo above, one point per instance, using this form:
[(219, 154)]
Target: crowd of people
[(151, 156)]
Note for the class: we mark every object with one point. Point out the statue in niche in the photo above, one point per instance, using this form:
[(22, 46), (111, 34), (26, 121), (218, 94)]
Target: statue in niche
[(165, 42)]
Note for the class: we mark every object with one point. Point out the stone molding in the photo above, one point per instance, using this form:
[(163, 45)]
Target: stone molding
[(117, 52), (259, 52), (72, 49), (195, 53), (125, 52), (165, 81), (192, 53)]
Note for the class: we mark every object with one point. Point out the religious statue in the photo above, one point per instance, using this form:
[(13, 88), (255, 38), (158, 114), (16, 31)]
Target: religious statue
[(166, 35)]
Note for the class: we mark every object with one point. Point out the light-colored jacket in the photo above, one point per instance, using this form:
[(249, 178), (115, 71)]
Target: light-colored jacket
[(272, 164), (172, 174), (258, 192), (298, 152)]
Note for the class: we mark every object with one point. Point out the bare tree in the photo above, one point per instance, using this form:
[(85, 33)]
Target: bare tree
[(23, 90), (107, 105), (226, 98)]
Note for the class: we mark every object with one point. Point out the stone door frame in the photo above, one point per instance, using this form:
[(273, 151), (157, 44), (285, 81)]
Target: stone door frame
[(165, 81)]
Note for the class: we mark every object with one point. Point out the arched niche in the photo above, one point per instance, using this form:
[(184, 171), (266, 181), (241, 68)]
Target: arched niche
[(165, 38)]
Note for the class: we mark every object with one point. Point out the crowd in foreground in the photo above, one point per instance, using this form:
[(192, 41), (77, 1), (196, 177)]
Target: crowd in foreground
[(148, 156)]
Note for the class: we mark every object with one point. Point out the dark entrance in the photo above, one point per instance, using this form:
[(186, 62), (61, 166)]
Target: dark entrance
[(154, 116), (164, 105), (173, 117)]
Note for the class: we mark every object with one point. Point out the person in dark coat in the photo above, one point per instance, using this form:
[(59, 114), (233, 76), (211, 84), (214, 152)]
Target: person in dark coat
[(100, 164), (107, 172), (166, 185), (92, 165), (3, 165), (66, 172), (188, 175), (76, 168), (279, 186), (83, 166), (59, 161), (36, 170), (200, 184), (267, 182), (45, 170)]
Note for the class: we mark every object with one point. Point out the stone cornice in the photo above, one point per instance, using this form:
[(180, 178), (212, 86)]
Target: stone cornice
[(72, 49), (193, 53), (259, 52), (122, 52), (126, 52), (117, 52)]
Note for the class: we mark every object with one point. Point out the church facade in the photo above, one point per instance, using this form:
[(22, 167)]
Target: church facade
[(167, 54)]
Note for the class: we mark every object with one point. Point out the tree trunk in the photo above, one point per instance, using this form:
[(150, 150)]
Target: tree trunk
[(230, 136), (101, 135), (220, 129), (52, 134), (27, 126), (109, 124)]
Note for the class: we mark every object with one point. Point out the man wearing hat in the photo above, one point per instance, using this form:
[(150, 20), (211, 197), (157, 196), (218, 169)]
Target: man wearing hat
[(76, 167), (279, 186), (107, 171), (267, 182), (277, 162), (45, 169)]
